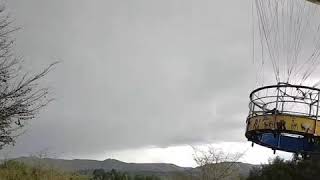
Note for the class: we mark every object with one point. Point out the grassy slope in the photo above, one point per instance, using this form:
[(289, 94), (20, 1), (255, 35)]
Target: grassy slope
[(12, 170)]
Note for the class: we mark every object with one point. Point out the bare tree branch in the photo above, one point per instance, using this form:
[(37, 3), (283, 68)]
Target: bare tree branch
[(21, 96), (215, 164)]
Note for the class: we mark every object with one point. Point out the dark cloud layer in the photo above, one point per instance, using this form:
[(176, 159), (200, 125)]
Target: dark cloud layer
[(137, 73)]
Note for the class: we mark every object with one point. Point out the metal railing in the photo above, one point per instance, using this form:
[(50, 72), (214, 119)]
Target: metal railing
[(285, 98)]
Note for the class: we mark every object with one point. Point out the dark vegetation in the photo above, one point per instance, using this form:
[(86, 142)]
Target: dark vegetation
[(100, 174), (295, 169)]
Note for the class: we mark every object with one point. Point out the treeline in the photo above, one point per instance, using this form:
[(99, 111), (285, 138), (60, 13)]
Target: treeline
[(100, 174), (295, 169)]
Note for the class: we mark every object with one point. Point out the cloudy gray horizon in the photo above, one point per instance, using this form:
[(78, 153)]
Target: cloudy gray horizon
[(136, 74)]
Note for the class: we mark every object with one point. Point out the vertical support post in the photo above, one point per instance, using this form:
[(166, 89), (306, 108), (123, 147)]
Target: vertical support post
[(318, 106), (310, 105), (317, 115), (277, 100), (283, 100), (276, 110)]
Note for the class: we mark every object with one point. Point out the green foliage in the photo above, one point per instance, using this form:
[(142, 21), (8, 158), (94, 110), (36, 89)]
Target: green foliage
[(12, 170), (100, 174), (141, 177), (183, 176), (287, 170)]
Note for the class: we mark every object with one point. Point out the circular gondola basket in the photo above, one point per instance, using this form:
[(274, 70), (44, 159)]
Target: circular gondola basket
[(285, 117)]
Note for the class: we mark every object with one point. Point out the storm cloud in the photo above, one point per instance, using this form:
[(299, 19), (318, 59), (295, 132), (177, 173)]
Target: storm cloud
[(136, 73)]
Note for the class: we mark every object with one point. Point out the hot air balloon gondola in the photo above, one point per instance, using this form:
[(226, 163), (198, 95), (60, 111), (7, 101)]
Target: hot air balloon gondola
[(285, 116)]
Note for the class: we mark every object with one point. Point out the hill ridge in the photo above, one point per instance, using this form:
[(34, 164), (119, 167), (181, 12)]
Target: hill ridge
[(108, 164)]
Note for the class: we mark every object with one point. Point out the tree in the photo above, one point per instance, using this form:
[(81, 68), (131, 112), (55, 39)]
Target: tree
[(307, 169), (215, 164), (276, 169), (21, 96), (98, 174)]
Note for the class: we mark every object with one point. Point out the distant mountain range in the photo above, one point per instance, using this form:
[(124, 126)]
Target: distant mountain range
[(88, 166)]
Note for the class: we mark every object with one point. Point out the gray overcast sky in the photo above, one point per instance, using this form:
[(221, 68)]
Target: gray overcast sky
[(137, 73)]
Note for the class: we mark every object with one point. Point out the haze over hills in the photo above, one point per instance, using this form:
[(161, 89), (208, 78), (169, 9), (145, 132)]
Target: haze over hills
[(109, 164)]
